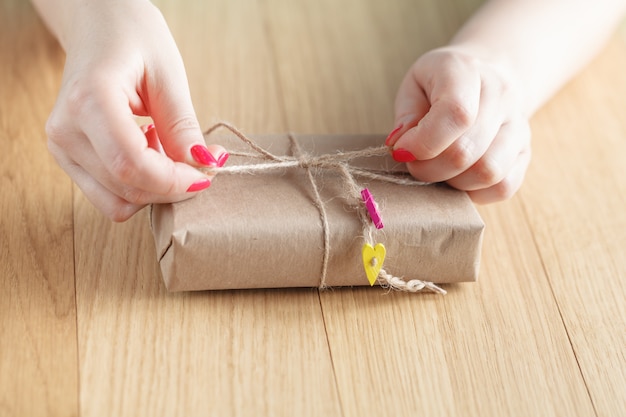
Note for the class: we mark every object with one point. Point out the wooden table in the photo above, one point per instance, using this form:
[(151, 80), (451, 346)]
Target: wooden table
[(87, 327)]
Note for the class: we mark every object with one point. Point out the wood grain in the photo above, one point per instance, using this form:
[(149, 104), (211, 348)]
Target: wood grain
[(221, 353), (38, 368), (575, 198), (230, 62), (87, 327), (351, 86), (390, 352), (504, 352)]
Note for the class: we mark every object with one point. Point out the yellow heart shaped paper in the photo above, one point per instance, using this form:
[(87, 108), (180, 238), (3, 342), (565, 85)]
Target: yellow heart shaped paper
[(373, 258)]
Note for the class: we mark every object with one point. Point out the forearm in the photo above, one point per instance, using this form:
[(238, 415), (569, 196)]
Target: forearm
[(58, 15), (73, 22), (542, 43)]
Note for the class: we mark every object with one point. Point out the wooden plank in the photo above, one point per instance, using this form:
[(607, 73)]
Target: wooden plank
[(498, 347), (221, 353), (340, 64), (38, 368), (230, 64), (218, 353), (575, 198)]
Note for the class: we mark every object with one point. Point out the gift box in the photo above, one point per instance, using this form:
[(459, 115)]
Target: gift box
[(264, 229)]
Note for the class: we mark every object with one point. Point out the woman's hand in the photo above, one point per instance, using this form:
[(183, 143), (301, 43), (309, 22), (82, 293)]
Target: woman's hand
[(121, 62), (459, 119)]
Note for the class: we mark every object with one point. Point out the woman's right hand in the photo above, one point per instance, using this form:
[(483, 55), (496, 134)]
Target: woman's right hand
[(122, 62)]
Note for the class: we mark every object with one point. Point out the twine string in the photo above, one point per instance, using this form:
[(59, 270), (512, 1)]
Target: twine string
[(319, 204), (339, 163)]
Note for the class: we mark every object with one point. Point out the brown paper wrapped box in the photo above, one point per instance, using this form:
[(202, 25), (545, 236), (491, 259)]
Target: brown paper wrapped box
[(264, 231)]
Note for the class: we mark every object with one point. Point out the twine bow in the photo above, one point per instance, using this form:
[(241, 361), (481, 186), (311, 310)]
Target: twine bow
[(338, 162)]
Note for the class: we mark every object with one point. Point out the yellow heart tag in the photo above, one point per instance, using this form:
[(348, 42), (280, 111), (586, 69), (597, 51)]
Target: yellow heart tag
[(373, 258)]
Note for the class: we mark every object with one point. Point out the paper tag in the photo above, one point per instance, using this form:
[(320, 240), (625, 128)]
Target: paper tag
[(373, 258)]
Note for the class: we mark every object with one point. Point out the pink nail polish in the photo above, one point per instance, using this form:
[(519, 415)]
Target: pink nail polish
[(221, 160), (392, 134), (146, 128), (150, 132), (202, 155), (199, 185), (402, 155)]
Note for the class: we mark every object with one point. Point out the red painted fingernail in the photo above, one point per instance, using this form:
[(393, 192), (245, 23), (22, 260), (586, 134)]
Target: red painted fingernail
[(151, 134), (402, 155), (199, 185), (392, 134), (221, 160), (202, 155), (145, 128)]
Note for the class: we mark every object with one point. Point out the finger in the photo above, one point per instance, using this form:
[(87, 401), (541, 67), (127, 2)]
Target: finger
[(168, 99), (454, 99), (466, 150), (411, 105), (110, 204), (84, 156), (205, 154), (153, 139), (109, 196), (154, 142), (124, 151), (512, 139), (508, 186)]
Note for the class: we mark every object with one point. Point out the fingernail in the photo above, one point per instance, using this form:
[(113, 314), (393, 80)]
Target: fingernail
[(392, 134), (202, 155), (402, 155), (199, 185), (145, 128), (150, 132), (221, 160)]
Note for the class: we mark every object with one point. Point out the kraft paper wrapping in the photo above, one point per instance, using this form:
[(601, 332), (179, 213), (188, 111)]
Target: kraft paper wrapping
[(263, 230)]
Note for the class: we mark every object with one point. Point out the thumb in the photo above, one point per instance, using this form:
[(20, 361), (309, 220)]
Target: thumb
[(174, 117), (411, 106), (178, 128), (180, 135)]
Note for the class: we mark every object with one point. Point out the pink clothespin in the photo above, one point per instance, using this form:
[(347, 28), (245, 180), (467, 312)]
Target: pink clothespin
[(372, 208)]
